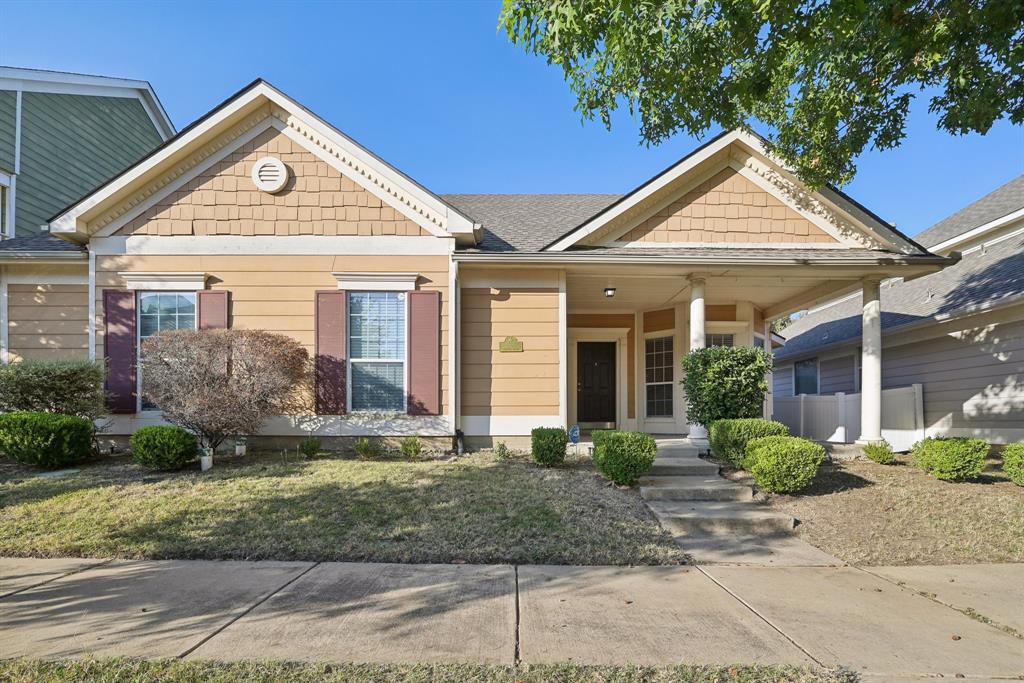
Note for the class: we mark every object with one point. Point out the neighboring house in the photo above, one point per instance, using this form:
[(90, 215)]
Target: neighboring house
[(959, 333), (61, 135), (427, 314)]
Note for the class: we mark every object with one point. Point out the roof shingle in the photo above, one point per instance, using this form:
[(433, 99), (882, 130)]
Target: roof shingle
[(996, 204), (41, 242)]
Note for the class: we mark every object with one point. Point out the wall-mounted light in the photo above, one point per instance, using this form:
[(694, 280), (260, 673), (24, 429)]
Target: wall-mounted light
[(609, 292)]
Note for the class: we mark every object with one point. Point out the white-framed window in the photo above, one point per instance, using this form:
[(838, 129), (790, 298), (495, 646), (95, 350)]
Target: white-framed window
[(717, 339), (158, 312), (658, 369), (805, 377), (6, 229), (377, 344)]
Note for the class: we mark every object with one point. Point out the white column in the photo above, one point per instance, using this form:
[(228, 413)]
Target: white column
[(871, 365), (769, 397), (698, 434)]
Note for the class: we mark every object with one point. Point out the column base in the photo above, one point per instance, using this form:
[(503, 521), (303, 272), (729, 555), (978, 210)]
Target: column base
[(699, 437), (868, 441)]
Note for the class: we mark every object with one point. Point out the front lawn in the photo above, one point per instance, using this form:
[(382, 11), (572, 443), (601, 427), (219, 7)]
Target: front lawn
[(477, 509), (174, 671), (871, 514)]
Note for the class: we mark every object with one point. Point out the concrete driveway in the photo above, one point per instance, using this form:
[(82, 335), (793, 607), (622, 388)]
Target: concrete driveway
[(886, 623)]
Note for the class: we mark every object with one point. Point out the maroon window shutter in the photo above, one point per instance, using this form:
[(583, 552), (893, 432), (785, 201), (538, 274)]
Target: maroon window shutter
[(424, 353), (119, 349), (331, 352), (213, 309)]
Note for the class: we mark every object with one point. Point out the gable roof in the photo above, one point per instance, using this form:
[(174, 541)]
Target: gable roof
[(379, 177), (1001, 202)]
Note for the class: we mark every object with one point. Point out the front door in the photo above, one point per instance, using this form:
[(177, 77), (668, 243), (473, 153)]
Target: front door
[(595, 384)]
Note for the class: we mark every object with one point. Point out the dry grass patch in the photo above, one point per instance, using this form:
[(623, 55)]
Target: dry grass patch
[(476, 509), (871, 514)]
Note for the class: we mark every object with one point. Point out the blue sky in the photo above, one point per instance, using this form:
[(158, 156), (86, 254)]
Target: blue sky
[(438, 91)]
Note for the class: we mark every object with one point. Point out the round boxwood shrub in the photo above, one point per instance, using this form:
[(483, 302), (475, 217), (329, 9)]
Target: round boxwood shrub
[(729, 437), (952, 458), (1013, 463), (624, 456), (783, 464), (46, 440), (880, 453), (548, 445), (163, 447)]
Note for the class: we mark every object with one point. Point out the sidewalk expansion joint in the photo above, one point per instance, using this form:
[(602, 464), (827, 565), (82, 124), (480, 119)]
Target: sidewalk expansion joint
[(761, 616), (58, 578), (247, 610)]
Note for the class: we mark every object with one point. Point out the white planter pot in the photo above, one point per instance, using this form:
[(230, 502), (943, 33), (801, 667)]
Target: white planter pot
[(239, 449), (206, 459)]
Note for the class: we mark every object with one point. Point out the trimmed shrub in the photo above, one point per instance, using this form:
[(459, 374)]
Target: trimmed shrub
[(1013, 463), (45, 440), (548, 445), (624, 456), (309, 447), (368, 449), (598, 436), (501, 451), (729, 437), (163, 448), (65, 387), (952, 458), (783, 464), (411, 447), (725, 382), (880, 453)]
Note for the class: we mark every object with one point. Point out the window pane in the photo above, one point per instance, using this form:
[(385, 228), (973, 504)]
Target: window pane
[(805, 377), (659, 375), (378, 386), (160, 311), (377, 325), (659, 400), (719, 340)]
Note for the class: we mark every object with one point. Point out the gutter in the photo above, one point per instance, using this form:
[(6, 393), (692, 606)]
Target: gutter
[(43, 257), (726, 258)]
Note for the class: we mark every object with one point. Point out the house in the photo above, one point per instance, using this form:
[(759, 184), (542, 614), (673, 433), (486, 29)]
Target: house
[(61, 135), (958, 334), (490, 314)]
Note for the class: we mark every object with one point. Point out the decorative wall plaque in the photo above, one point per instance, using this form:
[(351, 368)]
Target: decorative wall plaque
[(510, 345)]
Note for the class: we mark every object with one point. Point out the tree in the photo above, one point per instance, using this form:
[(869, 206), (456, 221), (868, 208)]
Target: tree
[(827, 79), (725, 383), (223, 383)]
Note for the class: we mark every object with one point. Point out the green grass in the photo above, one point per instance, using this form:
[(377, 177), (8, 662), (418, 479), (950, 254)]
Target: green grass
[(175, 671), (476, 509)]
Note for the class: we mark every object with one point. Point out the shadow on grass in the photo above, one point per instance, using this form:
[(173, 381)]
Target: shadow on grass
[(834, 479)]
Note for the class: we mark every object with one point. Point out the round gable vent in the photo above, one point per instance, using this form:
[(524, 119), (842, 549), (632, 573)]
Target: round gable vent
[(269, 174)]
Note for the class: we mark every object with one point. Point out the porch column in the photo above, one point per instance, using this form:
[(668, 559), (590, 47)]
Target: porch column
[(698, 434), (871, 365), (769, 397)]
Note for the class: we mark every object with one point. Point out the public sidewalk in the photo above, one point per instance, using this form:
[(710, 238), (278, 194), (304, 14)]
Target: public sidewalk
[(876, 621)]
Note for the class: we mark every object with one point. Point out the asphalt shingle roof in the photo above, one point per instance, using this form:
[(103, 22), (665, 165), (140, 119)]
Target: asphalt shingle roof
[(41, 242), (996, 204), (527, 222)]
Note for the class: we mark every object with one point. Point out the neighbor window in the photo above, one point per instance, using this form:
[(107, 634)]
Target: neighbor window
[(805, 377), (658, 354), (376, 338), (161, 311), (719, 340), (4, 198)]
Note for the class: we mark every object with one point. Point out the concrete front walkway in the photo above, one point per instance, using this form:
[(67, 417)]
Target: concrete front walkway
[(883, 622)]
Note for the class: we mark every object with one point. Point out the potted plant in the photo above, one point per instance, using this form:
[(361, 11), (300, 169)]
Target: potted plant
[(206, 458), (240, 445)]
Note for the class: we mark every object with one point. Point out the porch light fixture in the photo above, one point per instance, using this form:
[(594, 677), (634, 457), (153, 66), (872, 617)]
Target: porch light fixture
[(609, 292)]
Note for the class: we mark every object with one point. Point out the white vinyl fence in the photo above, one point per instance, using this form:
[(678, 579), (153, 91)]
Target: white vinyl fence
[(836, 418)]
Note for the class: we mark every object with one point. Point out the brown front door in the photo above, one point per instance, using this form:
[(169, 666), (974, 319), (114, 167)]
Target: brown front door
[(595, 384)]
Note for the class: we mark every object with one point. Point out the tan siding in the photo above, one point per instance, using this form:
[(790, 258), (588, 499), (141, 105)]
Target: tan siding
[(48, 322), (619, 320), (728, 208), (318, 200), (275, 293), (720, 313), (655, 321), (495, 383)]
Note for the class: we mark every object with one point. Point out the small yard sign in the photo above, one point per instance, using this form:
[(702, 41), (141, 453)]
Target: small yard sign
[(574, 434)]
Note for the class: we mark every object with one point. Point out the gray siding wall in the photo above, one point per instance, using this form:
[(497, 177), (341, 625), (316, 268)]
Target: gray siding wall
[(71, 144), (8, 99), (782, 380), (836, 374)]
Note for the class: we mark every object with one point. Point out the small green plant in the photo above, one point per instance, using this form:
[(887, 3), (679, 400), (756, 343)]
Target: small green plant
[(880, 453), (411, 447), (548, 445), (783, 464), (1013, 463), (624, 457), (501, 451), (951, 459), (309, 447), (367, 448), (729, 438), (46, 440), (160, 447)]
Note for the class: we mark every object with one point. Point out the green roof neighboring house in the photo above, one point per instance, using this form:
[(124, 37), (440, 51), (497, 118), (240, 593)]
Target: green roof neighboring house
[(63, 134)]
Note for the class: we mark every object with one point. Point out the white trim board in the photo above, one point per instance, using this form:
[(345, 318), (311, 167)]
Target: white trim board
[(377, 282), (168, 282), (506, 425), (271, 245), (4, 331), (304, 425)]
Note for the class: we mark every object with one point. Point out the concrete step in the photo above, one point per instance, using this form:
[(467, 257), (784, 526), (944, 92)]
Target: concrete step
[(682, 466), (720, 518), (708, 488), (677, 452)]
